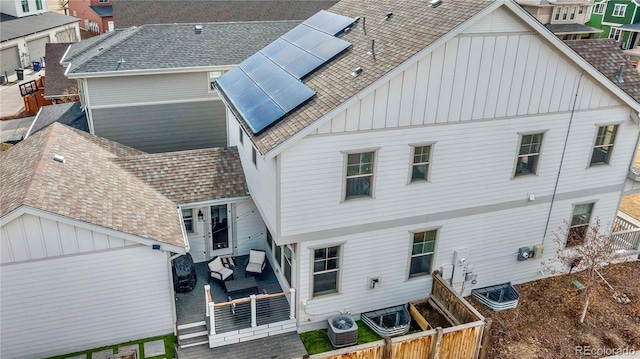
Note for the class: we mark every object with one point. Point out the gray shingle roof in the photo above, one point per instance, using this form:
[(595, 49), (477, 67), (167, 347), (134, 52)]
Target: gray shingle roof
[(414, 26), (562, 29), (89, 186), (103, 11), (168, 46), (57, 84), (606, 56), (191, 176), (140, 12), (69, 114), (14, 27)]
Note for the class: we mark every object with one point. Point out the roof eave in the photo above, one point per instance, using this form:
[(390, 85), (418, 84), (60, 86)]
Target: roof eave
[(173, 70)]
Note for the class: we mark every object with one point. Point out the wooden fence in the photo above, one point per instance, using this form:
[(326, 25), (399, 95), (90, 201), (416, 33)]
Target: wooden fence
[(465, 340)]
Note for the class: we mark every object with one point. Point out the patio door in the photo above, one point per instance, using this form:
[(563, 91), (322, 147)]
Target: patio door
[(221, 230)]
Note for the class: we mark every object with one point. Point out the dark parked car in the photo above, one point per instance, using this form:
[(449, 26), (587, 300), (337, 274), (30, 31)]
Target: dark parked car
[(184, 274)]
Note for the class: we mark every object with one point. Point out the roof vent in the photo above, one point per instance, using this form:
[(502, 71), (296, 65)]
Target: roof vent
[(58, 158), (356, 72), (121, 60), (100, 49), (372, 51), (435, 3), (389, 15), (619, 74), (198, 29)]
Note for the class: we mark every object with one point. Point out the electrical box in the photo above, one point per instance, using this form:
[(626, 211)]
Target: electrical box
[(523, 253), (446, 271), (538, 249), (460, 257)]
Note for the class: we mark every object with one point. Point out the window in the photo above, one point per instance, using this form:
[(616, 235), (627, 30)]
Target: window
[(565, 13), (254, 156), (187, 218), (580, 10), (288, 259), (557, 15), (25, 6), (269, 240), (573, 13), (529, 154), (326, 270), (213, 76), (604, 145), (279, 255), (615, 33), (420, 165), (38, 4), (422, 250), (103, 0), (579, 224), (359, 174), (619, 10), (598, 9), (240, 135)]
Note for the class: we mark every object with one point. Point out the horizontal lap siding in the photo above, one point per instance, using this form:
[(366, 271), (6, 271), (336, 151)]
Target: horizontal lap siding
[(164, 128), (472, 166), (84, 301)]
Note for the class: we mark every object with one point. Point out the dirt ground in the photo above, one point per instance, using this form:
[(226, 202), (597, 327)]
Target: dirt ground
[(432, 316), (545, 323), (631, 204)]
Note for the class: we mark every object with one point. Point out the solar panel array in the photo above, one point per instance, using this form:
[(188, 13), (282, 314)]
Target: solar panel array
[(267, 85)]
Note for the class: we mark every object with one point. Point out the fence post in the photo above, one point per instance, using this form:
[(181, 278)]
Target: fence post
[(435, 347), (485, 338), (386, 350), (207, 289), (253, 310), (212, 319), (292, 304)]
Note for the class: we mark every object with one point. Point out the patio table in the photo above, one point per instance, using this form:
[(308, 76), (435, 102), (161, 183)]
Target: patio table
[(243, 286)]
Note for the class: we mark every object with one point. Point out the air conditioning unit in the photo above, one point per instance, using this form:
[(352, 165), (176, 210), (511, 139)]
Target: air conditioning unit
[(343, 331)]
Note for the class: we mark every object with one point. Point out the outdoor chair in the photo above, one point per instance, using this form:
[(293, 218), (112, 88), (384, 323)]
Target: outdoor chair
[(256, 263), (218, 271)]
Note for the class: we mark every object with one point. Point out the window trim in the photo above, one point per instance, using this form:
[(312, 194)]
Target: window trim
[(340, 246), (557, 12), (192, 219), (25, 6), (593, 145), (599, 8), (565, 13), (573, 209), (580, 10), (39, 5), (616, 32), (412, 232), (619, 6), (412, 148), (572, 14), (345, 161), (515, 163)]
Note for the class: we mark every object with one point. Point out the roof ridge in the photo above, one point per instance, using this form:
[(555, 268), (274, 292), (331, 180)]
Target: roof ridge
[(48, 141), (133, 30)]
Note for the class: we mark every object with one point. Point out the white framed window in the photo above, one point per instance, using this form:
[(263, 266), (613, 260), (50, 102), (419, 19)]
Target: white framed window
[(580, 10), (421, 161), (615, 33), (528, 154), (359, 175), (287, 261), (557, 13), (240, 135), (619, 10), (187, 219), (213, 76), (579, 225), (603, 147), (598, 8), (422, 251), (25, 6), (565, 12), (254, 156), (38, 4), (326, 271), (573, 13)]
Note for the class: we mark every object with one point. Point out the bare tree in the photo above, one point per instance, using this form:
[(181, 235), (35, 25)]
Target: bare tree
[(587, 251)]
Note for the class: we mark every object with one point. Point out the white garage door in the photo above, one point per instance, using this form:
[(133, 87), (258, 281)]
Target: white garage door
[(9, 60), (36, 48)]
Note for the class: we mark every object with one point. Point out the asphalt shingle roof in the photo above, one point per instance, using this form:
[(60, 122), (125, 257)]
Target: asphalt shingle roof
[(69, 114), (191, 176), (14, 27), (89, 186), (57, 84), (168, 46), (560, 29), (606, 56), (414, 26), (139, 12)]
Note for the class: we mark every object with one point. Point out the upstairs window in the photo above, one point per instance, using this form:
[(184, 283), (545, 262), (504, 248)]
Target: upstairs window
[(603, 147), (25, 6), (579, 224), (573, 13), (557, 14), (615, 33), (580, 10), (38, 4), (103, 1), (420, 165), (529, 154), (598, 8), (565, 13), (619, 10), (359, 179)]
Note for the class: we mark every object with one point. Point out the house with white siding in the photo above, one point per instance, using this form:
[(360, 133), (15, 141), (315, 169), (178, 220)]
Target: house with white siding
[(149, 87), (444, 136)]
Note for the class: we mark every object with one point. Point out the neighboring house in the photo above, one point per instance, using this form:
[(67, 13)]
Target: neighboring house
[(564, 18), (26, 27), (58, 87), (95, 16), (618, 19), (464, 133), (69, 114), (129, 13), (149, 87), (87, 241)]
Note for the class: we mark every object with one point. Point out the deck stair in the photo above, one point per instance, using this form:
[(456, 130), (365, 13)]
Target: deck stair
[(193, 334)]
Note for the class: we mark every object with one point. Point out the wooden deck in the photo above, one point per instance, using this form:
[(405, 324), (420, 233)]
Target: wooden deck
[(283, 346)]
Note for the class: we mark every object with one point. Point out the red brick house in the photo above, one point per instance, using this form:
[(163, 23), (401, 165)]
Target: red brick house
[(96, 15)]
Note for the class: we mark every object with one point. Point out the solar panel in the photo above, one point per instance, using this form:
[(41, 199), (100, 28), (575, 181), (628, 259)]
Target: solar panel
[(329, 22), (330, 48)]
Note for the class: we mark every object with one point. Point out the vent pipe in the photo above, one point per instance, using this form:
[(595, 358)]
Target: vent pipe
[(619, 74), (435, 3), (373, 48), (58, 158)]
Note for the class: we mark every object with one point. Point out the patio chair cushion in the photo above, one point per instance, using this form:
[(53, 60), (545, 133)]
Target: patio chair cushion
[(219, 271), (254, 268), (257, 261)]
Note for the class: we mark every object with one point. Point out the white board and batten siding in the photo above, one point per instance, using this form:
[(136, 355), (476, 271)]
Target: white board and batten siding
[(80, 290), (250, 229)]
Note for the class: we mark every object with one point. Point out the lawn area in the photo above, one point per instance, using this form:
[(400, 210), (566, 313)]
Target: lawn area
[(545, 323), (317, 341), (169, 348)]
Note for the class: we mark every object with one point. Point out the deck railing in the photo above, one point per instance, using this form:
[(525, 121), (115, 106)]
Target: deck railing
[(626, 233)]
